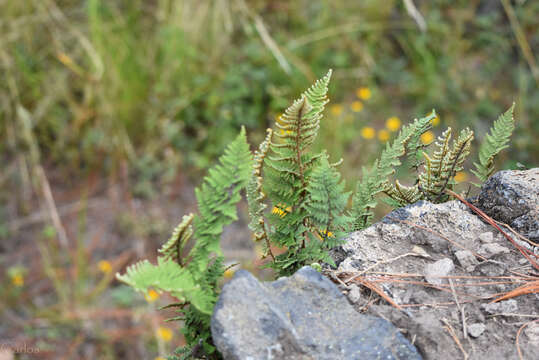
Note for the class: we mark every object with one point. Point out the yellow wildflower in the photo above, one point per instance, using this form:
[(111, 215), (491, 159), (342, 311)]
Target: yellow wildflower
[(164, 333), (324, 232), (17, 280), (104, 266), (151, 296), (228, 273), (436, 121), (461, 176), (336, 109), (364, 93), (286, 132), (383, 135), (393, 123), (427, 137), (368, 132), (356, 106), (278, 118), (278, 210), (159, 358)]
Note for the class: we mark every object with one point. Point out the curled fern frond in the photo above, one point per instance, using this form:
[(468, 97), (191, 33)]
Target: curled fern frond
[(402, 194), (494, 142), (256, 195), (172, 249)]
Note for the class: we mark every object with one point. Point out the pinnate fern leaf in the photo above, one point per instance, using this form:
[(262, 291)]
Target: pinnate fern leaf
[(168, 276), (217, 198), (494, 142)]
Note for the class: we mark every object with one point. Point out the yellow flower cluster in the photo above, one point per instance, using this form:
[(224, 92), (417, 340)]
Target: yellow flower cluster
[(393, 123), (356, 106), (427, 137), (368, 132), (228, 273), (164, 333), (104, 266), (281, 210), (364, 93), (461, 176), (17, 280), (151, 296)]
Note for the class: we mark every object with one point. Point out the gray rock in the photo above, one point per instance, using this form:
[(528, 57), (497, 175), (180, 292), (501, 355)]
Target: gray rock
[(502, 307), (486, 237), (301, 317), (475, 330), (435, 271), (492, 249), (466, 259), (354, 295), (513, 198)]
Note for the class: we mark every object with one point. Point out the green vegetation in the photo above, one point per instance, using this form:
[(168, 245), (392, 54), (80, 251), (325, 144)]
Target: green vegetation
[(110, 111), (438, 170), (193, 278), (310, 214)]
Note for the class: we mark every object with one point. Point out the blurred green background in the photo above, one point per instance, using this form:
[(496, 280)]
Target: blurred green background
[(111, 110)]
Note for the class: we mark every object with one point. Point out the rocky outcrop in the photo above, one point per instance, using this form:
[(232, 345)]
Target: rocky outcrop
[(513, 198), (440, 263), (304, 316)]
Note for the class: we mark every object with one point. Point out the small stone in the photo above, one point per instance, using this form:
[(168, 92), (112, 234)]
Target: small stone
[(434, 271), (492, 249), (475, 330), (486, 237), (502, 307), (532, 332), (354, 295), (466, 259)]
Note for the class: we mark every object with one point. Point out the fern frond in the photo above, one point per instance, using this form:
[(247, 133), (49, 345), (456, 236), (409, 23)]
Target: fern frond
[(289, 166), (376, 180), (446, 161), (402, 194), (170, 277), (326, 204), (256, 195), (172, 249), (217, 199), (289, 163), (414, 145), (494, 142)]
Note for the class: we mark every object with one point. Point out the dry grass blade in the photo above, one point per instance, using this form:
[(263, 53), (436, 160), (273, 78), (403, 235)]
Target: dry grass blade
[(530, 288), (379, 291)]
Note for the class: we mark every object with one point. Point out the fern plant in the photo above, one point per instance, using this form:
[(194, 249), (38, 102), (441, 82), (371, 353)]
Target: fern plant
[(437, 169), (193, 277), (308, 202), (494, 142)]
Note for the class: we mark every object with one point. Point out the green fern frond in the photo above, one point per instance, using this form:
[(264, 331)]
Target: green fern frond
[(170, 277), (289, 162), (494, 142), (376, 180), (172, 249), (414, 145), (217, 199), (326, 204)]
